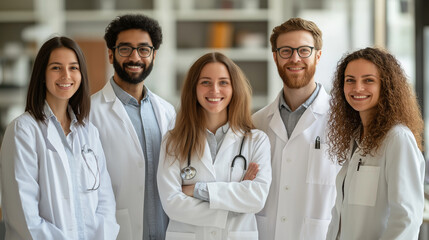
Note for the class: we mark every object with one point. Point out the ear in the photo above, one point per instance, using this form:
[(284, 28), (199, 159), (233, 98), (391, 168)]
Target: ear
[(275, 57), (110, 53), (318, 54), (154, 55)]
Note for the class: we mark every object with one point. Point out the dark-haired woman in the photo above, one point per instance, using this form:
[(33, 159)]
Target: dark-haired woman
[(375, 133), (53, 175)]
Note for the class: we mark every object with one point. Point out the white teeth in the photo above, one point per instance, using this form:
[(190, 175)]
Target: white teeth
[(296, 68), (214, 99), (65, 85), (360, 97), (136, 67)]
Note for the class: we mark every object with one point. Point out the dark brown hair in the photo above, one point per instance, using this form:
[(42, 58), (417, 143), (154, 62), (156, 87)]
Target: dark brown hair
[(79, 102), (397, 105)]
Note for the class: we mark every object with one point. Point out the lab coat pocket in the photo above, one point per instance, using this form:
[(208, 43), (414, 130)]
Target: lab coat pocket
[(321, 170), (123, 219), (364, 185), (90, 171), (248, 235), (314, 229), (179, 236)]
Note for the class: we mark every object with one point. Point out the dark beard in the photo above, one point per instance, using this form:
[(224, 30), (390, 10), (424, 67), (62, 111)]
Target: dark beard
[(126, 77), (294, 82)]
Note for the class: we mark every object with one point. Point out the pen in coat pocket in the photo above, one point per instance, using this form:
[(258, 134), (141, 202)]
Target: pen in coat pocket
[(317, 143)]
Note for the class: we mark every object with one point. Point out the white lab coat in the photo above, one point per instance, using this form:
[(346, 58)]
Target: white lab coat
[(124, 156), (385, 199), (37, 186), (303, 189), (230, 214)]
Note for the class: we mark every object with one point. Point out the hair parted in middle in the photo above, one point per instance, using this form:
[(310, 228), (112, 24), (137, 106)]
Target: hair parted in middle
[(397, 105), (189, 132), (133, 21), (296, 24), (80, 102)]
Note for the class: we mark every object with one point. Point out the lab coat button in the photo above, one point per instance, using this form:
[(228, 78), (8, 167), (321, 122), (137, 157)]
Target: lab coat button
[(283, 219), (286, 187), (214, 233), (288, 160)]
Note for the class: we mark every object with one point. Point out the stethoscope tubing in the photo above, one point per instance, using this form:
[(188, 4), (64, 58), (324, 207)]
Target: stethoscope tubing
[(189, 172)]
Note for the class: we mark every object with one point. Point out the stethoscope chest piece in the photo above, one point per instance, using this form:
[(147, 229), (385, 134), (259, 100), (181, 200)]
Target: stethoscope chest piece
[(187, 173)]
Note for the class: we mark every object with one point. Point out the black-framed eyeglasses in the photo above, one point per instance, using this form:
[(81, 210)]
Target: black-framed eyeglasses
[(287, 52), (126, 51), (94, 170)]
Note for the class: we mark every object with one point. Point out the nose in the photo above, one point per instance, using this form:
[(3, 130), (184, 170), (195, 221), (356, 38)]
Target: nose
[(295, 57), (358, 86), (65, 74), (134, 55), (214, 88)]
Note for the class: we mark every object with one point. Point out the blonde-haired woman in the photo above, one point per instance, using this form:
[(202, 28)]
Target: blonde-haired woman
[(375, 133), (214, 171)]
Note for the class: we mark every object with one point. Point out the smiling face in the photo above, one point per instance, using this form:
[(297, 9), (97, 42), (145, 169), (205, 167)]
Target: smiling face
[(214, 90), (296, 72), (362, 86), (63, 76), (132, 69)]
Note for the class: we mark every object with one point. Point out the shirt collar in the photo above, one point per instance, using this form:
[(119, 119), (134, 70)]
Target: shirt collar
[(51, 116), (126, 98), (306, 104)]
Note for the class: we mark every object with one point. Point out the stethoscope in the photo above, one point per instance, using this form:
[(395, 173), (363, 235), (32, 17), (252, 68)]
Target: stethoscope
[(189, 172)]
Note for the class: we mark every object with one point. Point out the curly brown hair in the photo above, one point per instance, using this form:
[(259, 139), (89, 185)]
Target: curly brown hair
[(397, 105)]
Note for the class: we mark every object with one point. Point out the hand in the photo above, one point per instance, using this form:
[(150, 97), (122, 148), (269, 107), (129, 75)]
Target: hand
[(188, 190), (252, 170)]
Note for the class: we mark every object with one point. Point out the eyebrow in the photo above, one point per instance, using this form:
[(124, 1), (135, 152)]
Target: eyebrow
[(58, 63), (129, 44), (366, 75)]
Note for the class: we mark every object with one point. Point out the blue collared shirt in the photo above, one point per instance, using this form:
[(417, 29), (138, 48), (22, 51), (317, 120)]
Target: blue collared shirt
[(145, 124), (290, 119)]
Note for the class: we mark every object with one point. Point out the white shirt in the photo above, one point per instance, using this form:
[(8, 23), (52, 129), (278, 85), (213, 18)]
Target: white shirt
[(385, 198), (39, 197)]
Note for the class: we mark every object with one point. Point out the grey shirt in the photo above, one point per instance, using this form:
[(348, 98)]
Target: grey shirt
[(143, 118), (290, 119)]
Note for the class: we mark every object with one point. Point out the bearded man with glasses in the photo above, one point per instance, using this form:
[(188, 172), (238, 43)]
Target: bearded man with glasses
[(302, 191), (131, 121)]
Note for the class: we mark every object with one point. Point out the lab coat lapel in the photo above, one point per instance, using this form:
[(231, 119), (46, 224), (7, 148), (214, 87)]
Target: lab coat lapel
[(55, 141), (228, 141), (121, 113), (276, 123), (159, 112), (313, 113), (207, 160)]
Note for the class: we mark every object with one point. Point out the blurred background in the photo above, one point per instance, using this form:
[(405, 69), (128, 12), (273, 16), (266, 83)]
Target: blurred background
[(191, 28)]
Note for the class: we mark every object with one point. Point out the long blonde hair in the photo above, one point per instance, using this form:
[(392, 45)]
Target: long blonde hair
[(189, 132)]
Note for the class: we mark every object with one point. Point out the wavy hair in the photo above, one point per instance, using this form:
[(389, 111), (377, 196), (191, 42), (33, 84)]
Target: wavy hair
[(189, 132), (397, 105)]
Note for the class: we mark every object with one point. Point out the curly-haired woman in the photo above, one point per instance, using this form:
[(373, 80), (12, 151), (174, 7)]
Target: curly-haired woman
[(375, 133)]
